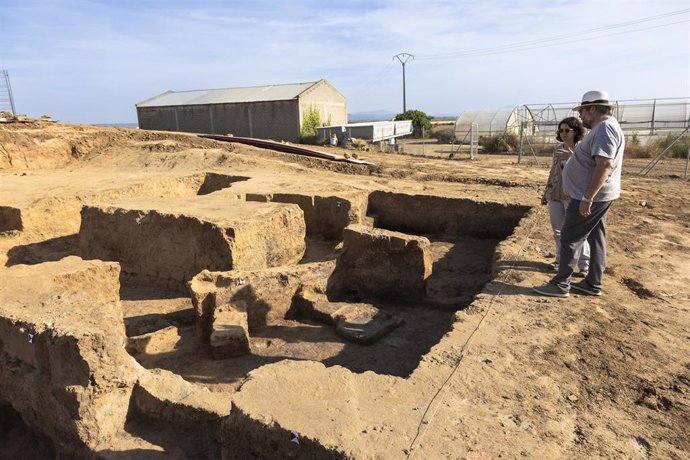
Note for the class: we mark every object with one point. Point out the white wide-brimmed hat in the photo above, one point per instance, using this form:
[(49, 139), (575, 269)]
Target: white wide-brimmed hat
[(594, 98)]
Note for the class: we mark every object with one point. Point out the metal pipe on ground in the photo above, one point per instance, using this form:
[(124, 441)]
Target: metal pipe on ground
[(286, 148)]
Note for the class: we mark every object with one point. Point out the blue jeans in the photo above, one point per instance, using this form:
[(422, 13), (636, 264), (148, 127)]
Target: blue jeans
[(575, 231)]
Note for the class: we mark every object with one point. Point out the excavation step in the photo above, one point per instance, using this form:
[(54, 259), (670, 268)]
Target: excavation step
[(176, 238), (162, 395), (265, 295), (230, 332), (381, 264)]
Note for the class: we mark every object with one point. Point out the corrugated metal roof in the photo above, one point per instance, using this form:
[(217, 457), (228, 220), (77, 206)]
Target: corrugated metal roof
[(228, 95)]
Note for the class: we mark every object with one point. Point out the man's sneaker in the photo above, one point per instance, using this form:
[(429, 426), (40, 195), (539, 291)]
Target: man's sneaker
[(583, 287), (550, 290)]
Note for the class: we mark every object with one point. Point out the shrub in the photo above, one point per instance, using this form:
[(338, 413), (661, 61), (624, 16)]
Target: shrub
[(310, 121), (443, 135), (500, 143), (679, 149), (420, 121), (633, 150)]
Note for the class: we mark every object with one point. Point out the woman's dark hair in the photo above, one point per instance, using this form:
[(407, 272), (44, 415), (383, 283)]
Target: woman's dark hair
[(575, 124)]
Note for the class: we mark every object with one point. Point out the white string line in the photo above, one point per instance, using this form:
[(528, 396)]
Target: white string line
[(420, 434)]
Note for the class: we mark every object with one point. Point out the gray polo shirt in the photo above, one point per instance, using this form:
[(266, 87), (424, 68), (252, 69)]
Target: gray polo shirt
[(606, 140)]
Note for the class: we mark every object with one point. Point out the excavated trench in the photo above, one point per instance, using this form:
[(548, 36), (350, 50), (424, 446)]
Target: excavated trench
[(462, 236), (404, 264)]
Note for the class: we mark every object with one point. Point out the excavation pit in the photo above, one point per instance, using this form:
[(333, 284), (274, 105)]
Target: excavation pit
[(214, 182), (453, 268), (499, 378), (243, 315)]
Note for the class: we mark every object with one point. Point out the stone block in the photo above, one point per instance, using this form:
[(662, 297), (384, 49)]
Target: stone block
[(357, 322), (176, 238), (229, 332), (153, 342), (315, 305), (364, 323), (325, 216)]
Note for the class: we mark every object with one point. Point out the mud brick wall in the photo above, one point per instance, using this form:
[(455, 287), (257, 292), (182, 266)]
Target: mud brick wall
[(265, 295), (432, 215), (380, 264), (63, 366), (175, 246), (325, 216)]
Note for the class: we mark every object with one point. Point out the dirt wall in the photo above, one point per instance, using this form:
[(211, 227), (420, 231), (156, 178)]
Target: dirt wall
[(424, 214), (64, 365), (174, 247)]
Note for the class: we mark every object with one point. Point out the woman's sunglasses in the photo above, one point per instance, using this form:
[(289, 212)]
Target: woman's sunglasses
[(564, 130)]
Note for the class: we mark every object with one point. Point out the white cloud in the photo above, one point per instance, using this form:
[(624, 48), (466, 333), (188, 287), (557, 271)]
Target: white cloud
[(90, 61)]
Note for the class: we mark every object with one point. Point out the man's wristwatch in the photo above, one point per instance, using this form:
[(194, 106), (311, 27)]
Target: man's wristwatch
[(586, 200)]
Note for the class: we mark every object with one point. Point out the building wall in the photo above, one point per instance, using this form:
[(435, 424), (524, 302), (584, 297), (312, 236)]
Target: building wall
[(327, 100), (160, 118), (277, 120)]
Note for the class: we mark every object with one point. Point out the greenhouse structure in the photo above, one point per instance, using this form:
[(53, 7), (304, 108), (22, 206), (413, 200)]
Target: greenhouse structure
[(492, 122), (643, 118)]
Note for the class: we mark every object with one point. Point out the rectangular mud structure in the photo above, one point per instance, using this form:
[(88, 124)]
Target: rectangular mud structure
[(174, 239), (324, 216), (63, 364), (381, 264)]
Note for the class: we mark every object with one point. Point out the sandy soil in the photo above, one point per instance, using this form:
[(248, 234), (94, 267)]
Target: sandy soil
[(509, 375)]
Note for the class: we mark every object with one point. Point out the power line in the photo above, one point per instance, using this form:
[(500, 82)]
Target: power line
[(562, 36), (557, 39), (546, 45), (365, 86)]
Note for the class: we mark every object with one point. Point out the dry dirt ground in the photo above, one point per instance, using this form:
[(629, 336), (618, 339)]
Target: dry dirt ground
[(492, 371)]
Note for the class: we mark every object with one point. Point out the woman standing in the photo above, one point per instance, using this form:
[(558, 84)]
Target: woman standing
[(570, 132)]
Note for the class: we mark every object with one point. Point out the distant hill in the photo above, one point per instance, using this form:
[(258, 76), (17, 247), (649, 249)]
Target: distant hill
[(373, 115), (120, 125)]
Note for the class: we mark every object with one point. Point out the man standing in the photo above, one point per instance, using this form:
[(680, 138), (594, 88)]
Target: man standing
[(592, 178)]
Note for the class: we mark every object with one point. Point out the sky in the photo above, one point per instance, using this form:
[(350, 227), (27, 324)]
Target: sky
[(91, 61)]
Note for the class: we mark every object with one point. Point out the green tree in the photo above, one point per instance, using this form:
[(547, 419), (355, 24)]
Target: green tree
[(421, 122), (310, 121)]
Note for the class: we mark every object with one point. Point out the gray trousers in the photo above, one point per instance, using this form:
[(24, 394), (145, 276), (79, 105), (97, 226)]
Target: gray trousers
[(557, 217), (575, 231)]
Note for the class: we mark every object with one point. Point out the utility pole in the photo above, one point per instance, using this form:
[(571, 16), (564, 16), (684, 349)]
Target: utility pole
[(403, 58)]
